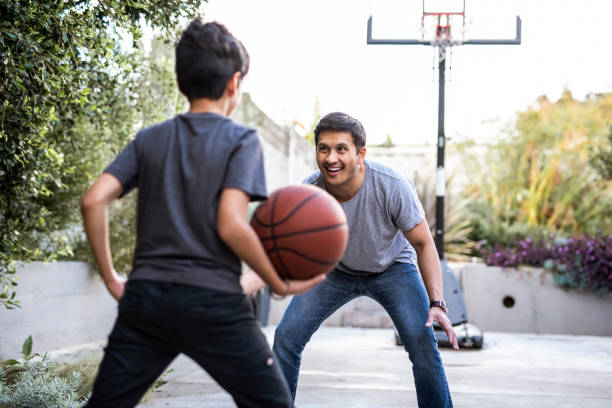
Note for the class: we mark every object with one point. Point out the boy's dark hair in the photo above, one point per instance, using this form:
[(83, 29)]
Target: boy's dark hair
[(207, 55), (341, 122)]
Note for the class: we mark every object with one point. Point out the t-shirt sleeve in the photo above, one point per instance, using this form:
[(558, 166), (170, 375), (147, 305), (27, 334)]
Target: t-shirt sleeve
[(314, 179), (245, 170), (405, 206), (125, 167)]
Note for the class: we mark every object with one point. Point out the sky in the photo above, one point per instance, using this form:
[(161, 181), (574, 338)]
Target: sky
[(304, 51)]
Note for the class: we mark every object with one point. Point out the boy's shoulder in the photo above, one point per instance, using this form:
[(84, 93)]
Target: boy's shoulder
[(197, 123)]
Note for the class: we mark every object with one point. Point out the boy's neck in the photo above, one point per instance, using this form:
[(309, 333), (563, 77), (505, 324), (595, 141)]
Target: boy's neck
[(221, 106)]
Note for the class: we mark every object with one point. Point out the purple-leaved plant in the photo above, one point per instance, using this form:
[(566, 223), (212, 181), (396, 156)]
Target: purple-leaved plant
[(584, 263)]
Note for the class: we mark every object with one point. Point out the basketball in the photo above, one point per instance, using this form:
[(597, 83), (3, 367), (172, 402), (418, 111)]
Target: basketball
[(303, 230)]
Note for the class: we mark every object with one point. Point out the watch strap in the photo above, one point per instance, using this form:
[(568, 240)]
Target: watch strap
[(438, 303)]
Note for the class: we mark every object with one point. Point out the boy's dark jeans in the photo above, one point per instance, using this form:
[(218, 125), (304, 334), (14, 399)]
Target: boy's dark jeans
[(159, 320)]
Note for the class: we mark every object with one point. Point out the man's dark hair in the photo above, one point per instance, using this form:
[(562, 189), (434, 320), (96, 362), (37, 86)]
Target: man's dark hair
[(341, 122), (207, 55)]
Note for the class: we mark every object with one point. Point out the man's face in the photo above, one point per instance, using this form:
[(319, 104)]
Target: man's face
[(337, 158)]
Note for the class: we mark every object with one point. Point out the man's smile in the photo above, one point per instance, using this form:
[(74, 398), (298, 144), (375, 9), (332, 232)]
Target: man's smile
[(333, 170)]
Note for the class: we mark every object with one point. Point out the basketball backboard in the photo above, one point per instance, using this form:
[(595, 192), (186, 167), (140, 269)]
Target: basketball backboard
[(444, 22)]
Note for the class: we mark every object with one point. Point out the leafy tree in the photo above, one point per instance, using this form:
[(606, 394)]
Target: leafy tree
[(151, 97), (539, 180), (62, 67)]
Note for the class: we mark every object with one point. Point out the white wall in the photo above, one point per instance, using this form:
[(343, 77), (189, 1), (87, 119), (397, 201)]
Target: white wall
[(288, 157), (540, 306), (62, 304)]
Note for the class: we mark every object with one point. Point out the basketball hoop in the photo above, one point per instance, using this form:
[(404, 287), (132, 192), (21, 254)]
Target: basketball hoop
[(443, 24), (443, 27)]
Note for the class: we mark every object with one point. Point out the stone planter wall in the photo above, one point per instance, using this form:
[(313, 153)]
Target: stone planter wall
[(528, 301)]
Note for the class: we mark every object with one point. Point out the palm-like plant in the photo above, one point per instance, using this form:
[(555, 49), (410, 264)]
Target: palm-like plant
[(457, 245)]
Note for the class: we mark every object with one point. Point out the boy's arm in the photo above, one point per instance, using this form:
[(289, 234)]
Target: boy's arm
[(429, 265), (94, 207), (237, 233)]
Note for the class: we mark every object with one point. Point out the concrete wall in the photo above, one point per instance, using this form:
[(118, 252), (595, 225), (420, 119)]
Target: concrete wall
[(66, 303), (534, 304), (62, 304), (409, 160), (288, 157)]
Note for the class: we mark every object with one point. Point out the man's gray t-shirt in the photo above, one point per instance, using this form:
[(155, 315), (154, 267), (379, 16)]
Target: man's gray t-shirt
[(385, 205), (180, 167)]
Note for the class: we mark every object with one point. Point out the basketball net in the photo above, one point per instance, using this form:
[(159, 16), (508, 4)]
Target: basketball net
[(443, 30)]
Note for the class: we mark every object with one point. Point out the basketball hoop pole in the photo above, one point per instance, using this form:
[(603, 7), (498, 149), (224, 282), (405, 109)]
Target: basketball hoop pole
[(442, 44), (440, 178)]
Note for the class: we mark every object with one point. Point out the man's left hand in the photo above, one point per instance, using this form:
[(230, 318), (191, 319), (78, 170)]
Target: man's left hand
[(437, 315)]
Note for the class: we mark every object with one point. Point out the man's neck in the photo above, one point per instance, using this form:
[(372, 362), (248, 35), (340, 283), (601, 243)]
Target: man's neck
[(347, 191)]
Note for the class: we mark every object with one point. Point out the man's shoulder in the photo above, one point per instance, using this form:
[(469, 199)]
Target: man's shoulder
[(314, 179), (384, 172)]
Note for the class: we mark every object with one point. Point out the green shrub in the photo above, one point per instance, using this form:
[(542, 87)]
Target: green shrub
[(69, 103), (35, 383), (457, 229), (38, 386), (540, 180)]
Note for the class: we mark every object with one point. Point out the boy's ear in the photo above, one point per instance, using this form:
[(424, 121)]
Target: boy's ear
[(233, 85)]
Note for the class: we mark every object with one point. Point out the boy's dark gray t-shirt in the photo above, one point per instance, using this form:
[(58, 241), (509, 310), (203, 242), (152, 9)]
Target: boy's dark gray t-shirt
[(385, 205), (180, 167)]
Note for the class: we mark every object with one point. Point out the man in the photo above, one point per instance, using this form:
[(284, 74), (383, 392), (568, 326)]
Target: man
[(388, 236), (196, 174)]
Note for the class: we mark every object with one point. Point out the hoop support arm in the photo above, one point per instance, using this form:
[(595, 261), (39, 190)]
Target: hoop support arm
[(392, 41), (400, 41), (516, 41)]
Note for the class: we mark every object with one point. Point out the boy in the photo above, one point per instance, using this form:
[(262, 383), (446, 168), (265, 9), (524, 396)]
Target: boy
[(196, 174)]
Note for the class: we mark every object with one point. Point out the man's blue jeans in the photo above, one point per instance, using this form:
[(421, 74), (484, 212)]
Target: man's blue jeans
[(400, 291)]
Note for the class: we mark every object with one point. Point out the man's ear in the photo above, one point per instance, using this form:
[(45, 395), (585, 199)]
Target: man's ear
[(233, 84), (361, 154)]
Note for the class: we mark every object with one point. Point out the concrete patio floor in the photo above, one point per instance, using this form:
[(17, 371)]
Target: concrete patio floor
[(359, 368)]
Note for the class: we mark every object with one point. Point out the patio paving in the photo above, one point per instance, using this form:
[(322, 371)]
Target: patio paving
[(362, 368)]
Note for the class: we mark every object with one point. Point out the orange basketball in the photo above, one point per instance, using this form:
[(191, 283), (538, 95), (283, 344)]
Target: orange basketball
[(303, 230)]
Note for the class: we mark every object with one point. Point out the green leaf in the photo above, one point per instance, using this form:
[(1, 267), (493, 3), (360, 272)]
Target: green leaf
[(26, 350)]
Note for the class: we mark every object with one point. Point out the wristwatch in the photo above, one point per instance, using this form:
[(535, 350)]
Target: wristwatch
[(438, 303)]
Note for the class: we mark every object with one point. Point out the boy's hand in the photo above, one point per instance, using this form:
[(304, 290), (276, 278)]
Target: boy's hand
[(116, 286), (251, 282), (299, 287)]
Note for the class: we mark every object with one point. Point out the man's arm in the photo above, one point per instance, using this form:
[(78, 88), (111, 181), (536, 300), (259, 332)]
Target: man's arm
[(237, 233), (429, 266), (94, 207), (251, 282)]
